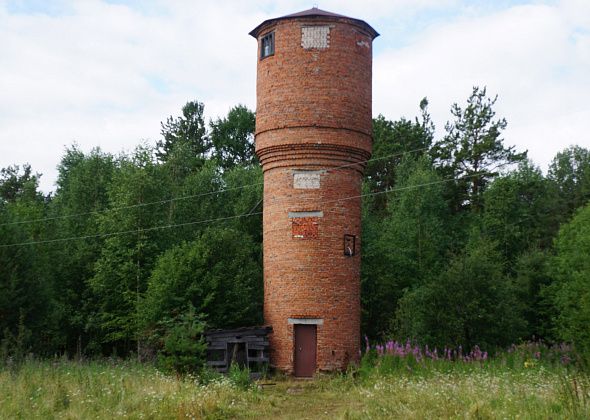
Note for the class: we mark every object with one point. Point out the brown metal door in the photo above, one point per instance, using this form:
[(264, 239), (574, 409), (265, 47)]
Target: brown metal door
[(305, 350)]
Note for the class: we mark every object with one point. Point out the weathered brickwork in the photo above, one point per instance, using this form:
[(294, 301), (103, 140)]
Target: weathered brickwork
[(314, 114), (305, 228)]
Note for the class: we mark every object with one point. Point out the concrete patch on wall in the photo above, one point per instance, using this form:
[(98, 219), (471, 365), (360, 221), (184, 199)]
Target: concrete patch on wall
[(306, 321), (306, 180), (305, 214), (317, 37)]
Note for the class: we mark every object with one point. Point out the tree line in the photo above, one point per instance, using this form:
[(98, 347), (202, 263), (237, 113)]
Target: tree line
[(465, 241)]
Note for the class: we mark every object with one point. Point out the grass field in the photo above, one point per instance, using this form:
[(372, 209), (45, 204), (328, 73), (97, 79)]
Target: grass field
[(115, 389)]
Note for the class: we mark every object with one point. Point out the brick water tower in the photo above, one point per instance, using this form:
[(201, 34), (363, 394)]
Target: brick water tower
[(313, 137)]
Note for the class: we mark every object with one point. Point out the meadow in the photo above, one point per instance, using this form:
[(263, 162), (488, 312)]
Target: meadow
[(513, 385)]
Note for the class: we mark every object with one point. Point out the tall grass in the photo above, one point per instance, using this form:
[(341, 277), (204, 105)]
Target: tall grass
[(71, 390), (519, 383)]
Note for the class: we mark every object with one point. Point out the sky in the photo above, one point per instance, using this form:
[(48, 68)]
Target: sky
[(106, 73)]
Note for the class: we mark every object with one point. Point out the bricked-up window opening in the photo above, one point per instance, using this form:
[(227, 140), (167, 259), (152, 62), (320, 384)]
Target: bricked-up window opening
[(267, 46), (349, 245), (305, 224), (315, 37), (305, 228)]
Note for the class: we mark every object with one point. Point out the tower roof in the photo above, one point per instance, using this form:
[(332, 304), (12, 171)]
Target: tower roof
[(311, 13)]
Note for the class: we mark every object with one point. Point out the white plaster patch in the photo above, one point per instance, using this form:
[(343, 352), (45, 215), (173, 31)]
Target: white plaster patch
[(317, 37), (308, 180), (306, 321), (300, 214)]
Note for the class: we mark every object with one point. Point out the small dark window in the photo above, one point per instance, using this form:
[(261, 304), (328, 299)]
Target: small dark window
[(267, 45)]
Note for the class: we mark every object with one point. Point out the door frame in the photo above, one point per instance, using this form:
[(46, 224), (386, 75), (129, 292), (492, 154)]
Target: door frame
[(305, 321)]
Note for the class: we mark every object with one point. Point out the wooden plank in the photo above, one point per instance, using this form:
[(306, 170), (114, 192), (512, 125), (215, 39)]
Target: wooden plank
[(253, 339), (217, 363), (258, 346), (258, 359), (236, 333), (241, 330), (220, 344), (238, 338), (216, 346)]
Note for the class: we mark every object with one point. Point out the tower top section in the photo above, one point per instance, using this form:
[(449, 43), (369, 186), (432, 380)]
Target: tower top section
[(315, 14)]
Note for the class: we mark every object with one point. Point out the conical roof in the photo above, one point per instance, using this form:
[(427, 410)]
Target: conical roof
[(315, 12)]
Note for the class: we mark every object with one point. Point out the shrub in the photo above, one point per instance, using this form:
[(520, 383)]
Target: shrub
[(471, 303), (182, 345), (571, 291), (240, 377)]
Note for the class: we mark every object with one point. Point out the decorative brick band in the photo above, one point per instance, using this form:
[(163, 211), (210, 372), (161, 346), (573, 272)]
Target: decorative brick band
[(319, 126), (312, 155)]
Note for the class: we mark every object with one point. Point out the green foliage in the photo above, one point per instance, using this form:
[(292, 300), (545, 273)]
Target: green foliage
[(25, 299), (183, 347), (15, 346), (571, 271), (470, 303), (14, 185), (392, 141), (240, 377), (187, 131), (232, 138), (519, 211), (532, 277), (473, 149), (125, 262), (217, 273), (27, 310), (570, 171), (82, 194), (136, 238), (409, 243)]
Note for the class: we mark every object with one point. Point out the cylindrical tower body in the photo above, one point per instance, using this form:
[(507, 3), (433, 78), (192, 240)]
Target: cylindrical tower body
[(313, 137)]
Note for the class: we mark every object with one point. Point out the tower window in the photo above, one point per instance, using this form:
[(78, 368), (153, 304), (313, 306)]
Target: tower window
[(267, 45)]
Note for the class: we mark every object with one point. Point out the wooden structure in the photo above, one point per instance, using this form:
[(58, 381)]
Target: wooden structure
[(248, 347)]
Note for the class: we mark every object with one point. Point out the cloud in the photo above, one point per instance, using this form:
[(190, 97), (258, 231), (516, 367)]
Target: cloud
[(533, 56), (106, 73)]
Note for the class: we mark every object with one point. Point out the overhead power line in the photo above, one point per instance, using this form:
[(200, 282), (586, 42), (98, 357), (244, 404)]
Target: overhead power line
[(249, 213), (187, 197), (135, 231)]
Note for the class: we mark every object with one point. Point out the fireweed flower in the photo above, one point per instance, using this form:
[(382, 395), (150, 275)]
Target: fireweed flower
[(397, 349)]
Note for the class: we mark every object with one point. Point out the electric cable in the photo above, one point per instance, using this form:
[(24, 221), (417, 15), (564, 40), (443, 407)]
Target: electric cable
[(187, 197), (390, 190)]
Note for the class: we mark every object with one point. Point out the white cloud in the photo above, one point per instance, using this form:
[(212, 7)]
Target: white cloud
[(106, 74), (532, 56)]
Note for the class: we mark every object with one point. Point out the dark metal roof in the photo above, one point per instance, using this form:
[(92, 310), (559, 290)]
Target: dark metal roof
[(261, 329), (314, 12)]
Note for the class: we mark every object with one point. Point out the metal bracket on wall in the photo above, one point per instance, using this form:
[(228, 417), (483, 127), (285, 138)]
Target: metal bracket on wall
[(349, 245)]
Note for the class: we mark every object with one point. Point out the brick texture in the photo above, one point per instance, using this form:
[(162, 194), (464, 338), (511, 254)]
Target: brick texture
[(306, 228), (314, 113)]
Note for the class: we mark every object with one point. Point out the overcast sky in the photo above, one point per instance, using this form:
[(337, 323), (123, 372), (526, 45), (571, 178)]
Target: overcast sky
[(105, 73)]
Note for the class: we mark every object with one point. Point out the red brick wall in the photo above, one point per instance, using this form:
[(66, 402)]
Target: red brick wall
[(313, 113)]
